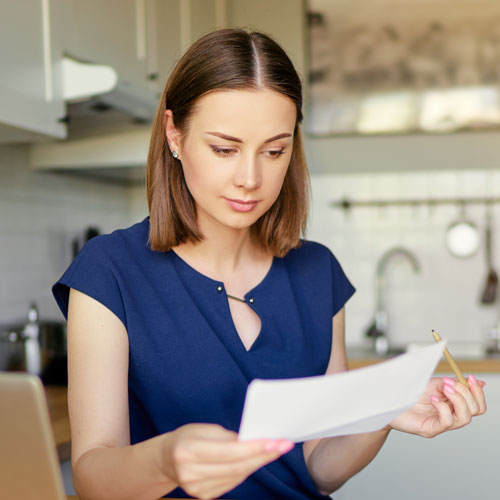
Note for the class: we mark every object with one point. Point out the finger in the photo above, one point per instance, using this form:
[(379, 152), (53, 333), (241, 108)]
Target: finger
[(229, 451), (476, 388), (462, 415), (235, 468), (210, 488), (210, 479), (445, 415), (257, 461), (469, 398), (211, 431), (221, 477)]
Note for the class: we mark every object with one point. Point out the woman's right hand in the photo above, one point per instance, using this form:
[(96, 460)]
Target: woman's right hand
[(207, 460)]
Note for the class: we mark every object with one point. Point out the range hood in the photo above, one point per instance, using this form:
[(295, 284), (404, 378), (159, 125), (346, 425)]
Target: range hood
[(109, 127), (98, 100)]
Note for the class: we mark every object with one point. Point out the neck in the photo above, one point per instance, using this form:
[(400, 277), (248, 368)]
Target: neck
[(222, 252)]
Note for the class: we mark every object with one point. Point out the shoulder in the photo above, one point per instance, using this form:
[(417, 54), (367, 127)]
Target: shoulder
[(117, 244), (317, 271), (312, 260), (103, 268), (310, 252)]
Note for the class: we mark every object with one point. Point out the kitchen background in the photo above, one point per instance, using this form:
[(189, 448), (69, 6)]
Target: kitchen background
[(44, 210)]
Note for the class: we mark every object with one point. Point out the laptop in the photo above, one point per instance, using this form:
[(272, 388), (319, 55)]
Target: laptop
[(29, 466)]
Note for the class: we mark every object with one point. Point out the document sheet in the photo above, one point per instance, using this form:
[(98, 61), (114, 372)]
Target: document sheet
[(351, 402)]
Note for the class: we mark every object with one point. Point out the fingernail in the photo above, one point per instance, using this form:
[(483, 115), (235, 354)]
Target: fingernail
[(435, 399), (285, 446), (449, 388), (472, 379), (271, 446), (449, 381)]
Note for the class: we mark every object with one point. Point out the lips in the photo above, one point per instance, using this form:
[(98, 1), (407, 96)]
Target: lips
[(242, 205)]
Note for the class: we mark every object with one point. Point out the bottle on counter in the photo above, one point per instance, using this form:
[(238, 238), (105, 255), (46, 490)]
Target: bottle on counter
[(31, 337)]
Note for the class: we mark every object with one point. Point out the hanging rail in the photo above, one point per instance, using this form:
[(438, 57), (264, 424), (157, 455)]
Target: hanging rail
[(346, 203)]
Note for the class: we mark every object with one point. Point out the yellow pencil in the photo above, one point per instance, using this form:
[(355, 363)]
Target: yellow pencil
[(450, 360)]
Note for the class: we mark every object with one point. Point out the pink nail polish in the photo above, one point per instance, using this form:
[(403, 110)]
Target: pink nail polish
[(271, 446), (472, 379), (285, 446), (435, 398), (449, 388), (449, 381)]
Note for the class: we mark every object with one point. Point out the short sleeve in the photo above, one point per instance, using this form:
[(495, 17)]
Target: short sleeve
[(342, 287), (92, 273)]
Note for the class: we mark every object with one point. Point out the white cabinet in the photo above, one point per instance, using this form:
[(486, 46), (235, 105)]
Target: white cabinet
[(141, 39), (164, 27), (31, 103), (110, 32), (122, 34), (460, 464)]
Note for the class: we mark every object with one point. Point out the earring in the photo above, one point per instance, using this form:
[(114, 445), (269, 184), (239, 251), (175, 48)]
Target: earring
[(175, 154)]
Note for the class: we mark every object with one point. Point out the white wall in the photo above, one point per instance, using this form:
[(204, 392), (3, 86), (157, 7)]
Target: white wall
[(40, 214), (444, 295)]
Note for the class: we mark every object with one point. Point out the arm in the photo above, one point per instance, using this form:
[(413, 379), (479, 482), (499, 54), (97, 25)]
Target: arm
[(332, 461), (104, 463), (445, 405), (205, 460)]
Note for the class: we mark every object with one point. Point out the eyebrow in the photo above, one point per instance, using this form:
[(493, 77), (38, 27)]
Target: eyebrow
[(235, 139)]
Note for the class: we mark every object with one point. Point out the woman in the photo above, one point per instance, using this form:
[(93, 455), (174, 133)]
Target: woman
[(169, 320)]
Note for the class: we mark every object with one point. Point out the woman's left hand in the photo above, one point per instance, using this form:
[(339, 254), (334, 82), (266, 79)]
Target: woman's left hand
[(446, 404)]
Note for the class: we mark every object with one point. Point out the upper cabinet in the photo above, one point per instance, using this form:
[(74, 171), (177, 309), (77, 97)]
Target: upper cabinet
[(119, 33), (31, 102), (140, 39)]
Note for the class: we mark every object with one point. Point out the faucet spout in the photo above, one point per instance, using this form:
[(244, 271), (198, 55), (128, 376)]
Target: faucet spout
[(379, 328), (383, 262)]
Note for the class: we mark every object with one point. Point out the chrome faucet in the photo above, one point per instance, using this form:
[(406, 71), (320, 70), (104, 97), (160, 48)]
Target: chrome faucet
[(378, 330)]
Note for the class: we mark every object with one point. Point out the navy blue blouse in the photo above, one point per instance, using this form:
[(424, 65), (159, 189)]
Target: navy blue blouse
[(186, 360)]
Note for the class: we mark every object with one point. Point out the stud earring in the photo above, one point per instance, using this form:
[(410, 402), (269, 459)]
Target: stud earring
[(175, 154)]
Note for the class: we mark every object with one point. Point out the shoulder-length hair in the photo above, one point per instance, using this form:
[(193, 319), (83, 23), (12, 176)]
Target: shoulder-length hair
[(227, 59)]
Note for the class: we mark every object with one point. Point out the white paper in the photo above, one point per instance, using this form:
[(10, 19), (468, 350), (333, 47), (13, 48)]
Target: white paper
[(351, 402)]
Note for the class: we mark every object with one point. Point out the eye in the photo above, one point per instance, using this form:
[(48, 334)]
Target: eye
[(223, 152), (275, 153)]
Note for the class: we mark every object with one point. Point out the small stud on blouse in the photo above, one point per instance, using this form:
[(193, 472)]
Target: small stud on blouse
[(219, 288), (251, 300)]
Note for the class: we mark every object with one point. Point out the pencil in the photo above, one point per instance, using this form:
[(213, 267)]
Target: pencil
[(450, 360)]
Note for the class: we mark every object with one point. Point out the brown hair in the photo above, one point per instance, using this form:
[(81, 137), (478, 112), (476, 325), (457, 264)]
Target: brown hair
[(224, 59)]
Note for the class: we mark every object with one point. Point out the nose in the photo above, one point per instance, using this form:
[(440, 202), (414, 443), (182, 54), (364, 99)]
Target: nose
[(248, 174)]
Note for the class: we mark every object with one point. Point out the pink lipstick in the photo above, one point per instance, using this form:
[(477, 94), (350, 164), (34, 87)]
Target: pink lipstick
[(242, 205)]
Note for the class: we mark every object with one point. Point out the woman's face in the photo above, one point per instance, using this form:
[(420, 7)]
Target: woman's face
[(236, 154)]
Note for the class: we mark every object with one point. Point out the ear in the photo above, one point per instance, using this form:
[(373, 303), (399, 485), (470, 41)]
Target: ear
[(173, 136)]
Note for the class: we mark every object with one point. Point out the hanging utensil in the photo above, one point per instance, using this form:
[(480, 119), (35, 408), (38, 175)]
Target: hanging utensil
[(490, 289), (462, 236)]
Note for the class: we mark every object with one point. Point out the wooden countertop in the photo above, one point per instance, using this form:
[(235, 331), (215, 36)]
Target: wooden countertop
[(486, 365)]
